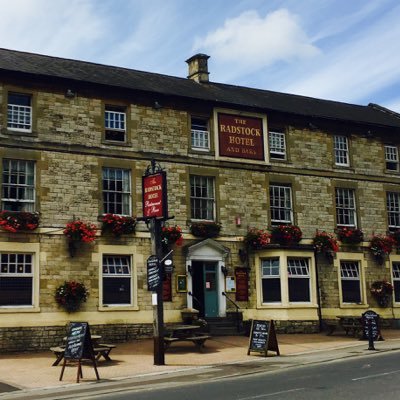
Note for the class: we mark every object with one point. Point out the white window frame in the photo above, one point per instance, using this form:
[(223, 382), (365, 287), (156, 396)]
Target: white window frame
[(346, 208), (200, 135), (299, 268), (393, 210), (18, 170), (341, 147), (396, 278), (115, 121), (280, 201), (277, 145), (391, 158), (118, 251), (125, 204), (362, 264), (272, 275), (19, 117), (350, 271), (25, 248), (284, 257), (117, 271), (202, 207)]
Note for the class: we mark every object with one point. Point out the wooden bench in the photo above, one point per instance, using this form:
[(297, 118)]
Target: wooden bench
[(198, 341), (101, 350)]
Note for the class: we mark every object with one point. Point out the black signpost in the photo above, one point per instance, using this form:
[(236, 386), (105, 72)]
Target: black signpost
[(263, 337), (79, 347), (155, 212)]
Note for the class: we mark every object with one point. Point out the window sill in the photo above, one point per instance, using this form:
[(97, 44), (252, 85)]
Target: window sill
[(115, 143), (118, 308), (353, 305), (18, 309), (20, 132), (286, 306)]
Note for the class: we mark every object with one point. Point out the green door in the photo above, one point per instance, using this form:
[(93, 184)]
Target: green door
[(210, 290)]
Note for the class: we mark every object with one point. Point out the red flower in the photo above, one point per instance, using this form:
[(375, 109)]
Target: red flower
[(80, 231)]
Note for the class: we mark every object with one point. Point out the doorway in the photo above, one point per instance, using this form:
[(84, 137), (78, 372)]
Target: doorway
[(205, 288)]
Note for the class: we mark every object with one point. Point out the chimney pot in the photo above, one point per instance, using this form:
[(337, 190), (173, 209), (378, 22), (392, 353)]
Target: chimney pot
[(198, 68)]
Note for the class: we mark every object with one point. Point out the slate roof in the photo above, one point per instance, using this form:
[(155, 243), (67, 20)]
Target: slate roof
[(37, 65)]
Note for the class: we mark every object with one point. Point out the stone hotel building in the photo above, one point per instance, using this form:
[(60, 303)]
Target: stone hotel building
[(254, 178)]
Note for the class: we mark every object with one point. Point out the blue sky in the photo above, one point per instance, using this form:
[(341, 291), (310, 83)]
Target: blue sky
[(344, 50)]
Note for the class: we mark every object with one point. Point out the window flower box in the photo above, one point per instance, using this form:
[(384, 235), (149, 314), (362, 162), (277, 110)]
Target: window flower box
[(206, 229), (351, 236), (286, 234), (382, 291), (70, 295), (15, 221), (257, 239), (117, 224)]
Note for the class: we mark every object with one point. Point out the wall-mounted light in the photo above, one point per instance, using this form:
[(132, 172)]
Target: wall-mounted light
[(189, 268), (238, 220), (242, 255), (70, 94), (224, 270), (157, 105)]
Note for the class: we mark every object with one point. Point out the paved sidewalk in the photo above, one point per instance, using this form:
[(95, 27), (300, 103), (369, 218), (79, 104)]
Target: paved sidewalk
[(134, 359)]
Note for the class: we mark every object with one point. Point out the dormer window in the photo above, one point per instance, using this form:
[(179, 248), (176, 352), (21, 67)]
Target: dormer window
[(391, 158), (200, 134), (277, 145), (19, 112), (115, 124)]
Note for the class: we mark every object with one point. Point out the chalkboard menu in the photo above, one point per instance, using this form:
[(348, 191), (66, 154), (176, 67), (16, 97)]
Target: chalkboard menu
[(79, 346), (79, 343), (370, 325), (263, 337), (153, 274)]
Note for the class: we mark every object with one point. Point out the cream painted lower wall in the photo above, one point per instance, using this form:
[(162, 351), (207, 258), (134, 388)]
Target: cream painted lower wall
[(297, 314), (94, 318)]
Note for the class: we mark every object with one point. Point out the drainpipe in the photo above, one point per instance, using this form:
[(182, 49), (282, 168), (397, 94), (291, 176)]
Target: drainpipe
[(318, 293)]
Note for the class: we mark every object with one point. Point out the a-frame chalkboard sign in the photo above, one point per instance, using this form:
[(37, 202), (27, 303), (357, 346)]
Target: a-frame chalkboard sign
[(263, 337), (79, 347)]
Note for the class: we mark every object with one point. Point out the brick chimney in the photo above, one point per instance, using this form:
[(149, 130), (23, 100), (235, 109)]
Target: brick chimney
[(198, 68)]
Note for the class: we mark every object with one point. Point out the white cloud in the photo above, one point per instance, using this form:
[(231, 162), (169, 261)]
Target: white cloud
[(250, 42), (63, 27), (363, 65)]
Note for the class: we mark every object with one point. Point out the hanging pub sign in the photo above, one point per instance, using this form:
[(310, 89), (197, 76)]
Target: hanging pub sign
[(154, 195), (242, 284), (241, 137)]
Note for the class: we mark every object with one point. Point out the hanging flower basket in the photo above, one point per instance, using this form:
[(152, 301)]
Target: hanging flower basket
[(70, 295), (117, 224), (79, 232), (352, 236), (382, 291), (15, 221), (286, 234), (257, 239), (206, 229), (381, 246), (325, 243), (171, 235)]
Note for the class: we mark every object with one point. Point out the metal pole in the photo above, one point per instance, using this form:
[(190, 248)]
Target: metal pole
[(370, 336), (158, 309)]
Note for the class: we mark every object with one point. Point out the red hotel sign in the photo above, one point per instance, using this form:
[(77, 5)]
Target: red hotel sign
[(241, 137), (155, 195)]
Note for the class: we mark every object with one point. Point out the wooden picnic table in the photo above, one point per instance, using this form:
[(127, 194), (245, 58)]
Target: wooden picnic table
[(185, 333)]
